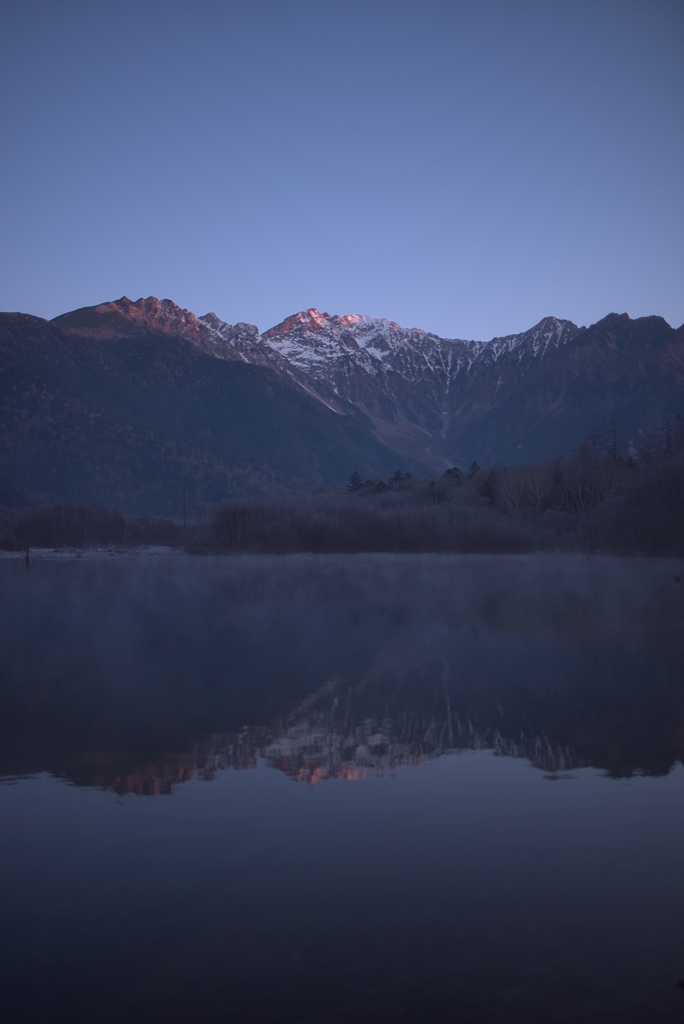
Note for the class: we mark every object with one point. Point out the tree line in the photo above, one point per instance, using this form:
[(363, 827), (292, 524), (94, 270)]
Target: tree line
[(608, 495)]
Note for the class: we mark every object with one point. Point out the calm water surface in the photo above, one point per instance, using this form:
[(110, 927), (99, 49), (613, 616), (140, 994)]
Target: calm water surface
[(342, 789)]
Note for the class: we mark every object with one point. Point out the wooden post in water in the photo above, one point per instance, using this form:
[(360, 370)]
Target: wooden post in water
[(184, 495)]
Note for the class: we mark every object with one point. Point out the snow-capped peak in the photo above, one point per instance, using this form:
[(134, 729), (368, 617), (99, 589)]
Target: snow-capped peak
[(311, 339)]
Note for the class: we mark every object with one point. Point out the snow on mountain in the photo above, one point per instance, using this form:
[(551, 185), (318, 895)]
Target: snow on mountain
[(312, 337), (368, 343), (320, 344), (549, 332)]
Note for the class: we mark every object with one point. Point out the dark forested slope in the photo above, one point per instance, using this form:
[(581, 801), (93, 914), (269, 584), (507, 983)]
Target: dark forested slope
[(134, 418)]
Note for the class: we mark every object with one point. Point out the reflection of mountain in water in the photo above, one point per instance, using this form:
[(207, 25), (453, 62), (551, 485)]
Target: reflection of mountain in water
[(151, 677), (322, 741), (404, 712)]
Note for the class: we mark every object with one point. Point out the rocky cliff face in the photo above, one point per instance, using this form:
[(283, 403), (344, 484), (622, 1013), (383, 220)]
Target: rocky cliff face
[(444, 401), (111, 320)]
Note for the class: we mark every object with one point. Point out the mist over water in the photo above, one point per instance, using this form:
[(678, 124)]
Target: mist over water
[(488, 825)]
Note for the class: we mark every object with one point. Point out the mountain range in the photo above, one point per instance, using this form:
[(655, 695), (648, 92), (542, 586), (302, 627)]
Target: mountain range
[(136, 404)]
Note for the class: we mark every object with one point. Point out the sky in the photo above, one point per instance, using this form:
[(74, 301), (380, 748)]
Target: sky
[(464, 166)]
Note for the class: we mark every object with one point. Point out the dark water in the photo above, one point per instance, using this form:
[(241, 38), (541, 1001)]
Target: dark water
[(365, 789)]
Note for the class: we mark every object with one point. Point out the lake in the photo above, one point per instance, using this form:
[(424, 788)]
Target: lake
[(322, 790)]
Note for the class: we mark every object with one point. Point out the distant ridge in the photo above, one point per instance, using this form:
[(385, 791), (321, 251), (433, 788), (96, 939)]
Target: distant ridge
[(446, 401)]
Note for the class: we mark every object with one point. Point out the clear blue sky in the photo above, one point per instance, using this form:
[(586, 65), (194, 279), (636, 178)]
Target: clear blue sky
[(466, 166)]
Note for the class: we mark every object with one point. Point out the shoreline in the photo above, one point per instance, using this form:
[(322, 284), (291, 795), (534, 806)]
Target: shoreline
[(109, 553), (58, 554)]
